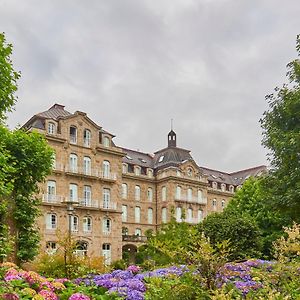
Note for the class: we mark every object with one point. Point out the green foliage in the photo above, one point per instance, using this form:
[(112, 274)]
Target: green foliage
[(281, 135), (65, 262), (186, 287), (252, 202), (8, 79), (240, 231), (27, 162)]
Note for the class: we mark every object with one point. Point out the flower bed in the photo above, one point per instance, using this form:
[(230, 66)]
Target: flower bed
[(249, 279)]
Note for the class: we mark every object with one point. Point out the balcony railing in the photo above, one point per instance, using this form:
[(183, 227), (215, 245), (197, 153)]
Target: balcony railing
[(49, 198), (88, 202), (191, 199), (134, 238), (107, 232), (91, 172), (108, 206)]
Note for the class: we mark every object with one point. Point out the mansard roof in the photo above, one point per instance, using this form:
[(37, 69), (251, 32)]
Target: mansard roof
[(54, 112), (171, 156), (138, 158)]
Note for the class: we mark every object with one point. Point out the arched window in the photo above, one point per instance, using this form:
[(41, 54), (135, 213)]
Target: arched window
[(200, 215), (137, 214), (124, 231), (106, 141), (73, 163), (150, 194), (223, 187), (214, 204), (189, 194), (190, 172), (73, 195), (150, 173), (164, 193), (106, 253), (74, 223), (178, 214), (164, 215), (124, 213), (124, 191), (223, 204), (51, 248), (214, 185), (150, 216), (51, 221), (81, 248), (73, 135), (106, 225), (51, 128), (87, 224), (137, 193), (106, 198), (87, 196), (137, 170), (106, 169), (138, 232), (178, 192), (51, 191), (189, 215), (200, 196), (231, 189), (87, 138), (87, 165)]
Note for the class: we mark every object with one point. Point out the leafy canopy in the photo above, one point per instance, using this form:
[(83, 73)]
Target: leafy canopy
[(8, 79)]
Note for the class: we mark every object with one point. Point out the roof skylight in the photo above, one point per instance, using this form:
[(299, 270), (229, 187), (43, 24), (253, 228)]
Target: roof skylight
[(161, 158), (129, 157)]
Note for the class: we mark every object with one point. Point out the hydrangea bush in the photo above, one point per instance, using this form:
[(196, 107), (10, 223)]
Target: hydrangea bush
[(251, 279)]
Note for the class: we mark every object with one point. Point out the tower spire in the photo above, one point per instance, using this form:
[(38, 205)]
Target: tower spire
[(172, 136)]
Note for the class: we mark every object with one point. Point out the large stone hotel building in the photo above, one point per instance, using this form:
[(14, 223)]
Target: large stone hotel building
[(108, 196)]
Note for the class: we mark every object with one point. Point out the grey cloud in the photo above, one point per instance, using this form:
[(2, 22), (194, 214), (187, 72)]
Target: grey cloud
[(134, 65)]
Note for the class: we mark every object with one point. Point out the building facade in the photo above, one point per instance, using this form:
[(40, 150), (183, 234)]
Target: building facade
[(107, 197)]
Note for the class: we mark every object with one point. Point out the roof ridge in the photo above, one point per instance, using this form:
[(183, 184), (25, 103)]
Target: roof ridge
[(248, 169)]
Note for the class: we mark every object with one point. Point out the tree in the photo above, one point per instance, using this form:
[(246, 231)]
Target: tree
[(8, 79), (281, 135), (252, 201), (240, 231), (25, 160)]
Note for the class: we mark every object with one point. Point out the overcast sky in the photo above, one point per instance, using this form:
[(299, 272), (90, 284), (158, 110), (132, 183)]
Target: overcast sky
[(134, 65)]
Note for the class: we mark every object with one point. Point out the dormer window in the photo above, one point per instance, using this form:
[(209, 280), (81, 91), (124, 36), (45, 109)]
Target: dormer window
[(161, 158), (190, 172), (124, 168), (223, 187), (137, 170), (51, 128), (231, 189), (214, 185), (87, 138), (73, 135), (106, 141), (150, 173)]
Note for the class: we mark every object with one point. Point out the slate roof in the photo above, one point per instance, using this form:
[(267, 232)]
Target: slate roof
[(54, 112), (138, 158), (171, 156)]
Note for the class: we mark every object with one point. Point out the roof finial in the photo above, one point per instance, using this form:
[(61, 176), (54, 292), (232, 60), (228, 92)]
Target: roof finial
[(171, 124)]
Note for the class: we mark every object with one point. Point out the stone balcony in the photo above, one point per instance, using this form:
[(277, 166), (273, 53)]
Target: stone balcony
[(191, 199), (134, 238)]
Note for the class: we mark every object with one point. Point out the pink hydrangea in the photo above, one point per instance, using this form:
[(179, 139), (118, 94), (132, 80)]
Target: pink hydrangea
[(48, 295), (79, 296), (133, 269), (10, 296)]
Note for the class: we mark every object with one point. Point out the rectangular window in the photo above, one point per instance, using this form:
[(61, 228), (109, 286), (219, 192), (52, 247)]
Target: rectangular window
[(150, 216), (164, 193), (164, 215), (106, 198), (87, 195), (137, 214), (124, 213), (73, 192)]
